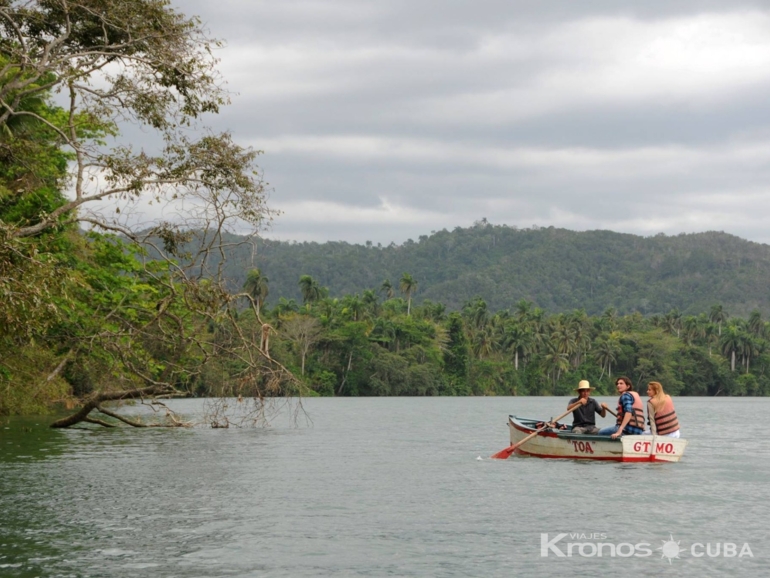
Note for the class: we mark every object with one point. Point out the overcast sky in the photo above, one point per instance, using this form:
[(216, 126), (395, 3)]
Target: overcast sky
[(388, 120)]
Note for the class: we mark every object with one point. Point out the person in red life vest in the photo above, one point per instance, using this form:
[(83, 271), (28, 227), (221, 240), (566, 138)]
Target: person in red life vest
[(661, 415), (584, 417), (630, 411)]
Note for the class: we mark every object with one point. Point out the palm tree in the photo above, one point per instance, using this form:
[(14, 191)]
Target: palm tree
[(435, 312), (555, 362), (523, 308), (408, 286), (283, 309), (610, 318), (484, 342), (353, 306), (710, 334), (539, 329), (731, 343), (369, 297), (718, 315), (749, 348), (311, 290), (579, 323), (755, 324), (387, 288), (518, 340), (256, 286), (606, 352), (563, 337), (476, 313), (384, 333), (690, 329)]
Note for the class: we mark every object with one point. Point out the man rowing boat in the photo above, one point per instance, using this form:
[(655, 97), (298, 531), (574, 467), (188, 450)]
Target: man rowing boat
[(584, 417)]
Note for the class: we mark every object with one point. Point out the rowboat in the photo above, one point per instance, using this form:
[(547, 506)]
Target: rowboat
[(564, 444)]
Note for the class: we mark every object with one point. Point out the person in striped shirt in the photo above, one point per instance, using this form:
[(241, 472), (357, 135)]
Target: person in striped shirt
[(661, 415)]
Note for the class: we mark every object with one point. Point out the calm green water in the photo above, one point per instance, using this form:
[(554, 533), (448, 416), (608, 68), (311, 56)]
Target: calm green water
[(376, 487)]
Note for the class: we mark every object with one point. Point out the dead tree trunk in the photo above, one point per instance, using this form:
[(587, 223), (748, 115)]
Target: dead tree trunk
[(95, 401)]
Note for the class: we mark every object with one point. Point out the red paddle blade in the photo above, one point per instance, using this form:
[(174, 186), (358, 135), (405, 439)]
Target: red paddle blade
[(504, 454)]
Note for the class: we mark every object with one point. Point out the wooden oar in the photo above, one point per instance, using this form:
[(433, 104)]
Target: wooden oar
[(507, 452)]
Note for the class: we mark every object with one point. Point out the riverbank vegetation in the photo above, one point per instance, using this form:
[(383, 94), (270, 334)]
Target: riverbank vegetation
[(373, 343), (85, 315)]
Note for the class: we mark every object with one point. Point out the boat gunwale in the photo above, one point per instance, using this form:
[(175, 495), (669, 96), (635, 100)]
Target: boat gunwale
[(518, 423)]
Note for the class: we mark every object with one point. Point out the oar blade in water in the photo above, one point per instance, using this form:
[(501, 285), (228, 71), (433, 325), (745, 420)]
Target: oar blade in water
[(504, 454)]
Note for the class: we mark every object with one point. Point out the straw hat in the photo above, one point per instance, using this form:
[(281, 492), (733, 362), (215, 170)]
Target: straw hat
[(584, 385)]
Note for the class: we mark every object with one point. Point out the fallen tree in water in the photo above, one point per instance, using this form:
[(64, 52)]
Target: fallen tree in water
[(96, 401)]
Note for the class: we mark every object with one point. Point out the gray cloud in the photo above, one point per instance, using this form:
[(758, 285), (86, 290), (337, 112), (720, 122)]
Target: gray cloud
[(385, 121)]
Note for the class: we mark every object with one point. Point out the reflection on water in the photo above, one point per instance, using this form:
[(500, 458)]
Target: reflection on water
[(376, 487)]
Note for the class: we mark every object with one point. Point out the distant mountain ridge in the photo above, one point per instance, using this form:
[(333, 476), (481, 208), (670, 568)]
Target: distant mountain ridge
[(557, 269)]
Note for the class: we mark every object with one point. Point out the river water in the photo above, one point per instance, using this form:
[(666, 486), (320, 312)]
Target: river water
[(380, 487)]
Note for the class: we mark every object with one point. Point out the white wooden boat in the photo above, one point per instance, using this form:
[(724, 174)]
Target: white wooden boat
[(566, 445)]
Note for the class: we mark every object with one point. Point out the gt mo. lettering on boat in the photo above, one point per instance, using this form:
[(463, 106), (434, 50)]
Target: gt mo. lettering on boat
[(660, 447)]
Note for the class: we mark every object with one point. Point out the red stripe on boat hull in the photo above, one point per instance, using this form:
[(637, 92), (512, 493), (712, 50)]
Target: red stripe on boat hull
[(595, 459)]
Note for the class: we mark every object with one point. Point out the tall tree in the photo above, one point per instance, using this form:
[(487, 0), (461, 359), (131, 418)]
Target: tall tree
[(755, 324), (408, 286), (304, 332), (518, 341), (731, 341), (369, 298), (523, 308), (555, 362), (718, 315), (387, 289), (610, 319), (456, 354), (605, 352), (256, 286), (311, 290)]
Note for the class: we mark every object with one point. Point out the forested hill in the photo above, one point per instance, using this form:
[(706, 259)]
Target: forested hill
[(557, 269)]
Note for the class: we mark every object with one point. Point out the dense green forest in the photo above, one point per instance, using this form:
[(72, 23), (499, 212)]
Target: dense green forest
[(379, 343), (556, 269)]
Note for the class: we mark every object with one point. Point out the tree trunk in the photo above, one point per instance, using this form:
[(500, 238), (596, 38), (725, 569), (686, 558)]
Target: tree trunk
[(95, 402), (345, 376), (732, 361)]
